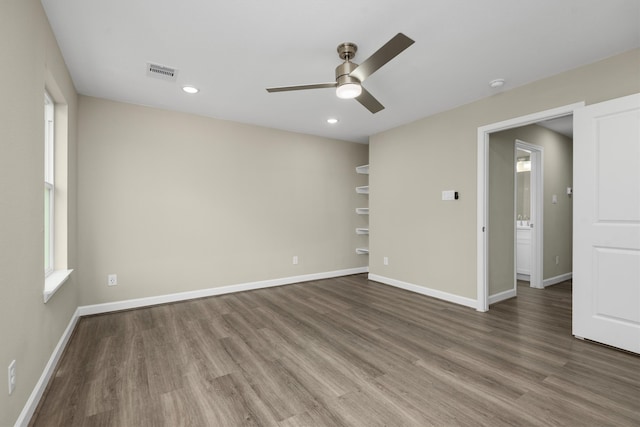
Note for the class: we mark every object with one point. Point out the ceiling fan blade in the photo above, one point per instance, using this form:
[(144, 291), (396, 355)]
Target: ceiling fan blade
[(369, 102), (301, 87), (380, 57)]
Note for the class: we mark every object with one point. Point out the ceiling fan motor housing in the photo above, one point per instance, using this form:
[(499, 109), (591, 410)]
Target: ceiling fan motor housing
[(347, 52), (342, 73)]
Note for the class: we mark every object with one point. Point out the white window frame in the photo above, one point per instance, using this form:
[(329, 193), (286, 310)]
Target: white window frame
[(49, 184)]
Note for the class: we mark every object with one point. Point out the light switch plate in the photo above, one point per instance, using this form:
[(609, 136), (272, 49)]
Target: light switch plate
[(449, 195)]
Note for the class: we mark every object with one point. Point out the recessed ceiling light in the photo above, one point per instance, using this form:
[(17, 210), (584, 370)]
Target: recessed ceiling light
[(496, 83), (332, 120), (190, 89)]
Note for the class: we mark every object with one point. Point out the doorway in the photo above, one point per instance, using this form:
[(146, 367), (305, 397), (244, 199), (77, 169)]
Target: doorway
[(515, 224), (529, 212), (484, 228)]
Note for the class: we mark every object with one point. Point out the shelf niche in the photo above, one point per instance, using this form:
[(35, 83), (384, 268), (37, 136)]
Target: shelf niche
[(363, 170)]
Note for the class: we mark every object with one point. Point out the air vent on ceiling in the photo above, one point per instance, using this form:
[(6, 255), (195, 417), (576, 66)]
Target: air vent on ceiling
[(161, 72)]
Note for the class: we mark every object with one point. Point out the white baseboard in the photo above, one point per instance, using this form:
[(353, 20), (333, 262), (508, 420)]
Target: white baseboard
[(501, 296), (34, 399), (525, 277), (87, 310), (557, 279), (456, 299), (32, 403)]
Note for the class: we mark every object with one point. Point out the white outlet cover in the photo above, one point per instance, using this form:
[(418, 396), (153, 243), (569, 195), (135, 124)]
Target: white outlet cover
[(112, 279)]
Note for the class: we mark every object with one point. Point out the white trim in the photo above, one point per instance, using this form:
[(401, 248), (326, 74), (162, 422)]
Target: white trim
[(87, 310), (53, 282), (482, 242), (483, 146), (456, 299), (557, 279), (34, 399), (501, 296), (523, 277), (49, 180)]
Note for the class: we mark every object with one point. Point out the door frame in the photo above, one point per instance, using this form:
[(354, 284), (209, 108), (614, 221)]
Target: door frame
[(537, 211), (482, 302)]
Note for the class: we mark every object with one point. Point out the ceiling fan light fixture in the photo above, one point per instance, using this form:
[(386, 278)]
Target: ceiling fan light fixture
[(348, 91)]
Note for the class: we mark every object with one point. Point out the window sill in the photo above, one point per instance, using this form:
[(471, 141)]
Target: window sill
[(53, 282)]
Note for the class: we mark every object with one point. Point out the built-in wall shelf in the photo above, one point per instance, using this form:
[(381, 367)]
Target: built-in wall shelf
[(364, 169), (364, 231)]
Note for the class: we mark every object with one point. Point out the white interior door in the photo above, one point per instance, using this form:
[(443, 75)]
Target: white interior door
[(606, 247)]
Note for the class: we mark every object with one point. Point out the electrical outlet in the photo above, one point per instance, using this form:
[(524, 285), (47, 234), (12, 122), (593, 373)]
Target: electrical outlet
[(385, 260), (112, 279), (295, 260), (12, 376), (557, 259)]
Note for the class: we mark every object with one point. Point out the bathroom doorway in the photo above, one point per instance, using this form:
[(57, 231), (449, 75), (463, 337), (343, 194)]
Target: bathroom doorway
[(528, 212), (497, 204)]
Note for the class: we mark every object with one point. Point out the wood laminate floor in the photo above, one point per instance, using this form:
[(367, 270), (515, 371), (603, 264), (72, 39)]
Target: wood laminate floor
[(341, 352)]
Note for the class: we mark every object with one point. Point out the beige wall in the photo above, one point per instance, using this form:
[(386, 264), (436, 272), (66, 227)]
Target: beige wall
[(29, 329), (173, 202), (432, 243), (501, 263), (557, 218)]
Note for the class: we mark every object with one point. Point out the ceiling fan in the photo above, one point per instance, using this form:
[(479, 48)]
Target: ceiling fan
[(349, 75)]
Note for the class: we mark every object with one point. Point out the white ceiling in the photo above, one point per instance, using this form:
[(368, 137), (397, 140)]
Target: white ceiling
[(233, 50), (562, 125)]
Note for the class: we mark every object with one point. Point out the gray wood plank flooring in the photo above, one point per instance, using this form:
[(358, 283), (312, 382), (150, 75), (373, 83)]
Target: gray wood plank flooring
[(341, 352)]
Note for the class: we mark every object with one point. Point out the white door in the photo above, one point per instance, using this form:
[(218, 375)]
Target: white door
[(606, 246)]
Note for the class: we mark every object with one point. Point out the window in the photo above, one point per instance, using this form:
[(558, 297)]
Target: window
[(56, 183), (49, 186)]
